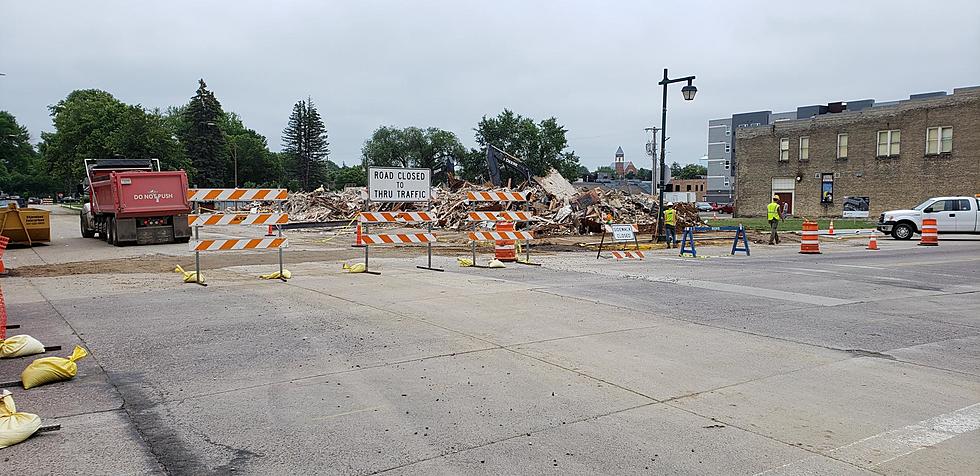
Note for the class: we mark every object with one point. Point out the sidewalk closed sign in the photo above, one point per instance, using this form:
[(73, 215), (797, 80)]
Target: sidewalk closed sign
[(622, 232), (389, 184)]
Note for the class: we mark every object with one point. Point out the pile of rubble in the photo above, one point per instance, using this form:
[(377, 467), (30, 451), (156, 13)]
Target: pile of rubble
[(559, 208)]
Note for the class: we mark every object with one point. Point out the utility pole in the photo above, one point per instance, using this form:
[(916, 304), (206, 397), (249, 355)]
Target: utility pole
[(652, 152)]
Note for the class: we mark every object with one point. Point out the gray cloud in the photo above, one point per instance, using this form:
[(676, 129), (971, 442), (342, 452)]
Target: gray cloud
[(593, 65)]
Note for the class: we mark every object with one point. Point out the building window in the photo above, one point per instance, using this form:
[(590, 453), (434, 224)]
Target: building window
[(688, 188), (728, 131), (889, 143), (841, 146), (939, 140), (804, 148), (728, 164), (726, 182), (728, 148), (783, 149)]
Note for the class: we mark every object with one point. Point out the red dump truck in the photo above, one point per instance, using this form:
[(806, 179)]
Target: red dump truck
[(133, 202)]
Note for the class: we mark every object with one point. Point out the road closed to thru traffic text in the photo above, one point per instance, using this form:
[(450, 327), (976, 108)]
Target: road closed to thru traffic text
[(388, 184)]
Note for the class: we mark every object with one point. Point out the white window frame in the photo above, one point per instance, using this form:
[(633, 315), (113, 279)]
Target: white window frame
[(804, 152), (893, 147), (728, 164), (939, 140), (783, 141), (727, 183), (840, 136), (728, 148)]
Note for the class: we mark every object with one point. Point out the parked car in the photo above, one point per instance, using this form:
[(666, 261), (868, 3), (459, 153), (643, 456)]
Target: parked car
[(33, 201), (952, 214), (703, 206), (726, 208)]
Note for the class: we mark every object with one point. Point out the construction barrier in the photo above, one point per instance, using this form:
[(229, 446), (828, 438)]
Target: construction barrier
[(365, 239), (688, 240), (810, 240), (505, 235), (47, 201), (4, 241), (270, 219), (237, 195), (621, 233), (930, 232), (621, 255), (3, 316)]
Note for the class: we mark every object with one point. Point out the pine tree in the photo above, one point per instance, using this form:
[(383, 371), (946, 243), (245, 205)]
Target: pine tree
[(305, 144), (204, 140)]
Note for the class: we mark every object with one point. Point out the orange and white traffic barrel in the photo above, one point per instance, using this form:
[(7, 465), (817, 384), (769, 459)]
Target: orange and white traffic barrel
[(930, 233), (505, 250), (810, 242)]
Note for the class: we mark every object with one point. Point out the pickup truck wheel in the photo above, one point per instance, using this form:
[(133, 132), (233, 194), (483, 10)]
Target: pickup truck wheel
[(903, 231)]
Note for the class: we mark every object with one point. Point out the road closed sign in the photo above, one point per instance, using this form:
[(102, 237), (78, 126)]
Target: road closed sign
[(389, 184), (623, 232)]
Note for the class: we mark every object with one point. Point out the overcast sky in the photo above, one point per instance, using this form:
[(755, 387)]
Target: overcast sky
[(593, 65)]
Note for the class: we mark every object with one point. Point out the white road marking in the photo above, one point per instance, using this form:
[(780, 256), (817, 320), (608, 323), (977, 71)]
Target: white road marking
[(764, 292), (879, 449)]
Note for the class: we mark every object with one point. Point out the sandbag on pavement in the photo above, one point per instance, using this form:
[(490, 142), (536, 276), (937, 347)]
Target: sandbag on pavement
[(51, 369), (19, 346), (15, 426)]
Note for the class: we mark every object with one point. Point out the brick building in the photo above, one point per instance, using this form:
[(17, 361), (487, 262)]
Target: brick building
[(896, 154), (698, 186)]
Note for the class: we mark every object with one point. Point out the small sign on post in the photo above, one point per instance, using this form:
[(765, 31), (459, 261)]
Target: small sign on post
[(390, 184), (623, 232)]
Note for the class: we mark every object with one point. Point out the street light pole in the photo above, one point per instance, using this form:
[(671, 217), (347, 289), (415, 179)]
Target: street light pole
[(688, 92)]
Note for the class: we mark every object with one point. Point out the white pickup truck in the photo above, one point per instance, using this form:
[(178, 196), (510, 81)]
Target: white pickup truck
[(952, 214)]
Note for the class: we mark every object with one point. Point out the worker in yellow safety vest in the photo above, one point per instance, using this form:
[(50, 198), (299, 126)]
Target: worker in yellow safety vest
[(670, 225), (774, 214)]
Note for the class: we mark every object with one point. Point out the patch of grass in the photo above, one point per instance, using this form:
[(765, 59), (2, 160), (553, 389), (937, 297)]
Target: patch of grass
[(792, 224)]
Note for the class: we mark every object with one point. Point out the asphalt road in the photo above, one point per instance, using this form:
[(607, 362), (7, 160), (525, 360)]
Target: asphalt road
[(848, 362)]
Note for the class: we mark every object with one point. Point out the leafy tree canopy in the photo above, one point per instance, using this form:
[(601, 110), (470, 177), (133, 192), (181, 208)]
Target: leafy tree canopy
[(689, 171), (540, 145)]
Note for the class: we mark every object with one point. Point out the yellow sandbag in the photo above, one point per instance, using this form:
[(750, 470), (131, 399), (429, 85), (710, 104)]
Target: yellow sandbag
[(19, 346), (464, 262), (285, 274), (356, 268), (495, 264), (51, 369), (189, 276), (15, 426)]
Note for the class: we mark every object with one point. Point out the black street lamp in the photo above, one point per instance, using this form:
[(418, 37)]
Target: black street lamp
[(688, 92)]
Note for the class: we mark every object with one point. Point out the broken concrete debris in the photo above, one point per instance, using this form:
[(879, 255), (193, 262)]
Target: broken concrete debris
[(559, 207)]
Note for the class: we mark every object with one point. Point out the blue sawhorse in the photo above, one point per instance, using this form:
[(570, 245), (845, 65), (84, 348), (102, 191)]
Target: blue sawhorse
[(688, 242)]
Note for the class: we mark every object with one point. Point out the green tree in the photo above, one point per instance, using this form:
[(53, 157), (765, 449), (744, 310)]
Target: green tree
[(305, 144), (251, 158), (689, 171), (204, 142), (22, 171), (354, 176), (541, 146), (92, 124), (411, 147)]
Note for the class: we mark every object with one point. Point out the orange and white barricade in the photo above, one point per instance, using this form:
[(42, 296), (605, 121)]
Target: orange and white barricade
[(621, 255), (621, 233), (366, 239), (264, 219), (930, 232), (4, 241), (505, 245), (810, 240)]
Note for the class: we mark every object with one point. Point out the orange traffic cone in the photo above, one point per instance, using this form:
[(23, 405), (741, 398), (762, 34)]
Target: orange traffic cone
[(357, 239), (270, 232), (873, 243), (831, 232)]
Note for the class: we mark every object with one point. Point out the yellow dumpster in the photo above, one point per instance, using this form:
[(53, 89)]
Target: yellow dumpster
[(25, 225)]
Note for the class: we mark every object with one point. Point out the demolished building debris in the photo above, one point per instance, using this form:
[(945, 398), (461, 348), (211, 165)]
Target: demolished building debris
[(559, 208)]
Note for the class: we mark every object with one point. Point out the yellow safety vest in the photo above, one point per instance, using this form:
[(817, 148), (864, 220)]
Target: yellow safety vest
[(773, 209), (670, 217)]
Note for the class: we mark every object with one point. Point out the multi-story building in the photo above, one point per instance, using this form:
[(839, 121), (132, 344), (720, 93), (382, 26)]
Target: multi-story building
[(696, 185), (860, 155), (720, 177)]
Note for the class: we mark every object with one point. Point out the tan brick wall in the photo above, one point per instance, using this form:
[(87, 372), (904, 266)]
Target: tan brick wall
[(698, 186), (891, 183)]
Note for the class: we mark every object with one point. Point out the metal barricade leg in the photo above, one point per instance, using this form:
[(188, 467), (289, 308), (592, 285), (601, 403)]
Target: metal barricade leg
[(429, 253)]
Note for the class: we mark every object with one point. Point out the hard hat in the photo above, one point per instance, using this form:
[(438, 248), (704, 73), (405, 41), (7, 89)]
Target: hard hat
[(670, 204), (775, 197)]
